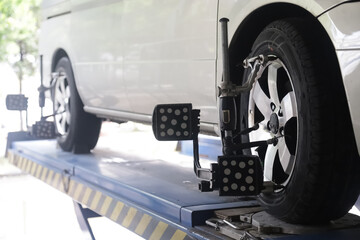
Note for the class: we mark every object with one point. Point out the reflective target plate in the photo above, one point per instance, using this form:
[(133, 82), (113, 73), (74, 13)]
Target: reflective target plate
[(239, 175)]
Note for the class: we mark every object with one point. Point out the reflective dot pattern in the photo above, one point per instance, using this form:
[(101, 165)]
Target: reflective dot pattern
[(43, 129), (238, 176), (249, 179), (173, 122), (242, 165), (170, 132)]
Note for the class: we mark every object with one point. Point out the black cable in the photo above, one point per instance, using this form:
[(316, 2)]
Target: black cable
[(195, 132), (196, 154)]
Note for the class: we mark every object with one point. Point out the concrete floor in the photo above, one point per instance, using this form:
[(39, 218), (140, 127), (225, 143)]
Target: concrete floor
[(30, 209)]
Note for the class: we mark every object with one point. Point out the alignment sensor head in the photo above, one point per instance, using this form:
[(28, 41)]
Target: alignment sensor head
[(17, 102), (175, 122)]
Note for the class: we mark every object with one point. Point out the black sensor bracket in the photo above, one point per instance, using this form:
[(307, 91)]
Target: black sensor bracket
[(233, 174), (237, 175)]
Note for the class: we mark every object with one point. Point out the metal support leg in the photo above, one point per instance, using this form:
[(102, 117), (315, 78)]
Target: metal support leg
[(83, 214)]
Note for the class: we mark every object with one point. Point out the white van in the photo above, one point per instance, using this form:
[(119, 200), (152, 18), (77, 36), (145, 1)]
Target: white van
[(117, 59)]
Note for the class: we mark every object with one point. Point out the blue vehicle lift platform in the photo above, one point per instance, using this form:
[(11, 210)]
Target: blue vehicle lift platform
[(153, 198)]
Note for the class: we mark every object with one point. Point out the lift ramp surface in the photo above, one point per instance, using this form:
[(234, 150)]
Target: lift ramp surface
[(124, 188), (151, 197)]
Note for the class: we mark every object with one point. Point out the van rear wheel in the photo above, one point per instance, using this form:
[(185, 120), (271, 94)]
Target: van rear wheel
[(78, 131)]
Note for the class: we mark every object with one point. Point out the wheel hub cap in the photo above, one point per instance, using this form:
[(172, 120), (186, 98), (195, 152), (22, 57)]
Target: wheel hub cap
[(274, 123)]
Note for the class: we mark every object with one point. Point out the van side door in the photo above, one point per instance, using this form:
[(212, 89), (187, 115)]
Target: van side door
[(170, 54), (97, 47)]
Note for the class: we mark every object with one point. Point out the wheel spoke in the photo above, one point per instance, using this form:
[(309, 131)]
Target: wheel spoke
[(288, 106), (262, 101), (62, 85), (286, 159), (269, 161), (60, 99), (263, 126), (63, 122), (272, 83), (60, 109), (261, 134)]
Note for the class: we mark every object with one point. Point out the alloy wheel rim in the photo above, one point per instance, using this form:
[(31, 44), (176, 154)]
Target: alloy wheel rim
[(272, 104), (62, 105)]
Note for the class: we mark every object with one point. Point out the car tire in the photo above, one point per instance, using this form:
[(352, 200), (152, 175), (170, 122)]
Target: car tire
[(315, 162), (78, 131)]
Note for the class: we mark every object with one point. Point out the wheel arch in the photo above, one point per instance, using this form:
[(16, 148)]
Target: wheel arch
[(257, 20), (248, 30), (59, 53)]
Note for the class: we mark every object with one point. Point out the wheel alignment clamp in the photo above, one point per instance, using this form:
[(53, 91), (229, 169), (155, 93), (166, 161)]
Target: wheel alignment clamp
[(130, 217)]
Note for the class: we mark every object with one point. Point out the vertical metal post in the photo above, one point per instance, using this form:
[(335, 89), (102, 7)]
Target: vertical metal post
[(41, 92), (27, 119), (41, 69), (227, 104), (225, 50)]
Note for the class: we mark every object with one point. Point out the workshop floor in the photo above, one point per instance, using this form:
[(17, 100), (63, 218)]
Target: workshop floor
[(30, 209)]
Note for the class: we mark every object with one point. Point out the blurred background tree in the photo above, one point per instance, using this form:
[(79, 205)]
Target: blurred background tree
[(19, 24)]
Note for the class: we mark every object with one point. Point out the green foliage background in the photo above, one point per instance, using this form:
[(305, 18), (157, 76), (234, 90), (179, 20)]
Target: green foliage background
[(19, 24)]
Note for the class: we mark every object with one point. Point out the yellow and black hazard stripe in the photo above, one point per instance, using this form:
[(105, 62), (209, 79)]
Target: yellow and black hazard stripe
[(130, 217)]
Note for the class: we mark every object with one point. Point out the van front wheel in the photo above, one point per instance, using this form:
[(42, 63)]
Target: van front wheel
[(301, 102)]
